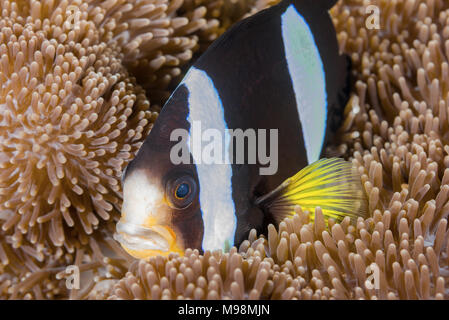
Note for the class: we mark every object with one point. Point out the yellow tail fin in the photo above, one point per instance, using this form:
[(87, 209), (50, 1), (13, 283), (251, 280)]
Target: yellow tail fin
[(332, 184)]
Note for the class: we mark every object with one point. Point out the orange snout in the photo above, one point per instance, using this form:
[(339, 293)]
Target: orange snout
[(147, 240)]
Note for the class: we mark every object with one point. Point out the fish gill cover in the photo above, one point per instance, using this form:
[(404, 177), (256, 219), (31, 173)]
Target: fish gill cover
[(68, 93)]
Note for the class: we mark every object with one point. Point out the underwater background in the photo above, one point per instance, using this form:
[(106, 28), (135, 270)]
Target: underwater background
[(82, 82)]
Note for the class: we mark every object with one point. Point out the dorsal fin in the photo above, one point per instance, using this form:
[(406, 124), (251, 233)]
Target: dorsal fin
[(329, 3), (325, 4)]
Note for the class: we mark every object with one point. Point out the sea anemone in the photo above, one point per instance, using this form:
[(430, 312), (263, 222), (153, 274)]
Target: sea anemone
[(156, 38), (210, 276), (71, 119), (27, 273), (395, 132), (301, 260), (224, 13), (21, 275)]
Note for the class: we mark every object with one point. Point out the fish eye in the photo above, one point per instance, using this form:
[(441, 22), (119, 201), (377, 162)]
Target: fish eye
[(181, 192)]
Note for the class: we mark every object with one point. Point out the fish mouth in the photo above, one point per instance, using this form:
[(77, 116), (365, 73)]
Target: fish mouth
[(138, 238)]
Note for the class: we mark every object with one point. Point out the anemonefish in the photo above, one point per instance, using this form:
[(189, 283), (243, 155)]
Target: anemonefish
[(277, 70)]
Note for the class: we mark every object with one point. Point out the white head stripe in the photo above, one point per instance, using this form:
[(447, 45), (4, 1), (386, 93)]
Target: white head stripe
[(308, 79), (140, 198), (217, 204)]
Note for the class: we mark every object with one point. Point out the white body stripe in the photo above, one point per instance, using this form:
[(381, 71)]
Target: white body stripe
[(308, 80), (217, 204)]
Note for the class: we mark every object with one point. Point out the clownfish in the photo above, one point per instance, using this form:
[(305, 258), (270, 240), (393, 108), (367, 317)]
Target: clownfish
[(277, 76)]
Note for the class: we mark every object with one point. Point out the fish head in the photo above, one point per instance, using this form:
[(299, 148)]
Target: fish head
[(160, 211)]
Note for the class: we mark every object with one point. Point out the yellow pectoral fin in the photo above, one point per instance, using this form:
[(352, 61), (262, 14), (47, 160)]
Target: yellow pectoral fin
[(332, 184)]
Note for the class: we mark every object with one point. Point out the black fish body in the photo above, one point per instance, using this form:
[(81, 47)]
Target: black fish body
[(279, 69), (250, 70)]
